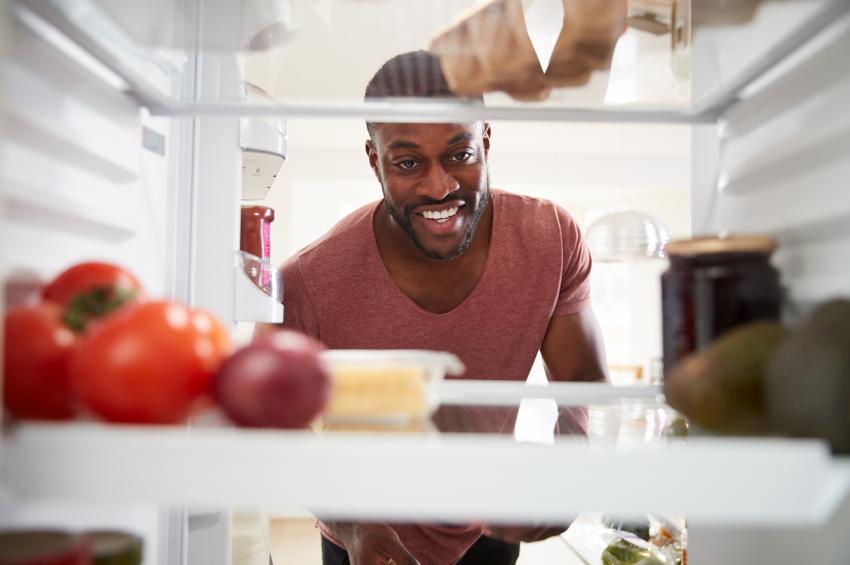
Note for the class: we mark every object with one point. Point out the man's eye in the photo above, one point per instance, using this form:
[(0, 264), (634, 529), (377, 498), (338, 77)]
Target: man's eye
[(407, 164), (461, 156)]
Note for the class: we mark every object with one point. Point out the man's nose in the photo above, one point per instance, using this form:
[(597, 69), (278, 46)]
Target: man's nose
[(438, 184)]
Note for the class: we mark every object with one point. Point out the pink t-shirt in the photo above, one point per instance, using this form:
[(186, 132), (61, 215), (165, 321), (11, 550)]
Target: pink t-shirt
[(338, 290)]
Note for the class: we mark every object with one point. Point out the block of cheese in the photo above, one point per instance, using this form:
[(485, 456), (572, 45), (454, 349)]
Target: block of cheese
[(384, 388), (379, 391)]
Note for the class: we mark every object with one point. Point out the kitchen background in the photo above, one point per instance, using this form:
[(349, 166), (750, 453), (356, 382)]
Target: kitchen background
[(591, 169)]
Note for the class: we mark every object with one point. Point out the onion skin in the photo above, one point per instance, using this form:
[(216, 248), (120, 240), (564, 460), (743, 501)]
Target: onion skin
[(277, 381)]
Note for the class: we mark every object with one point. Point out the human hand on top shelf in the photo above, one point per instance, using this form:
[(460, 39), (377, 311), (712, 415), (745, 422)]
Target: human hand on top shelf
[(488, 48)]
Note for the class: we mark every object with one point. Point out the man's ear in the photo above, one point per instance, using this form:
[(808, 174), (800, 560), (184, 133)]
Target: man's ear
[(372, 155), (485, 137)]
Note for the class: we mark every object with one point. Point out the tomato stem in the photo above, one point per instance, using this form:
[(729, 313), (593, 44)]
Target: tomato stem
[(95, 303)]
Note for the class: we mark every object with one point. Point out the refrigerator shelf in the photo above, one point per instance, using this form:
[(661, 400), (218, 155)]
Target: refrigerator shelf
[(155, 64), (728, 482)]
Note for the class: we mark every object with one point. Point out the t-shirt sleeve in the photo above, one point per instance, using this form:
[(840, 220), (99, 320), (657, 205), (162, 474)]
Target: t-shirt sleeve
[(298, 311), (574, 294)]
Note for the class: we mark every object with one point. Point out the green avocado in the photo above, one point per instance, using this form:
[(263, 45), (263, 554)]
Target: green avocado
[(720, 388), (807, 389)]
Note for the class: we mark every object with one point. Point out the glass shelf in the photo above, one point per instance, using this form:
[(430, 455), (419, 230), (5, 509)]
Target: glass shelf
[(315, 58)]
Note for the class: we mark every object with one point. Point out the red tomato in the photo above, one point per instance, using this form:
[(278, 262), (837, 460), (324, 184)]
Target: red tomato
[(212, 334), (148, 362), (91, 290), (37, 351)]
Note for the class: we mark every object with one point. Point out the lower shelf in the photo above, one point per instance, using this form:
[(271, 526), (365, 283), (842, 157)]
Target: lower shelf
[(427, 477)]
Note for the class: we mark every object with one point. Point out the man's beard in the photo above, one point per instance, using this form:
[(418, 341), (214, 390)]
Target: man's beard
[(403, 220)]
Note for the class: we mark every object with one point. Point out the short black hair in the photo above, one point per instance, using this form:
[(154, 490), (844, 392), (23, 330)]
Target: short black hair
[(415, 74)]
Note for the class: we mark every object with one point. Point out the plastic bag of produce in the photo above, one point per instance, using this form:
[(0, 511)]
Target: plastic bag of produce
[(654, 540)]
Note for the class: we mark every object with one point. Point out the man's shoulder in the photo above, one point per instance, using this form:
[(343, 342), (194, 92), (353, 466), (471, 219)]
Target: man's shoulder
[(530, 212), (346, 241)]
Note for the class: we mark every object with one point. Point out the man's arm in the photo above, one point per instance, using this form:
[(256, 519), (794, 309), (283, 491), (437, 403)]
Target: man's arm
[(367, 544), (262, 329), (573, 349)]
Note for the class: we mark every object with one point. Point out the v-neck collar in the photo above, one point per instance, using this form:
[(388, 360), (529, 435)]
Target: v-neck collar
[(492, 250)]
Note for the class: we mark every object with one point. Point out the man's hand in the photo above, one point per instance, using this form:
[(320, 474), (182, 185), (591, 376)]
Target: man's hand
[(527, 534), (371, 544), (489, 49)]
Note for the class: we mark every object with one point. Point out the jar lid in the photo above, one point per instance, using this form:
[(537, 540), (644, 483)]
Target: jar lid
[(716, 245), (115, 548)]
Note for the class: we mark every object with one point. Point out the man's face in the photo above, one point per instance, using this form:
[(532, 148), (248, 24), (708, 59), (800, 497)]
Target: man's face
[(435, 181)]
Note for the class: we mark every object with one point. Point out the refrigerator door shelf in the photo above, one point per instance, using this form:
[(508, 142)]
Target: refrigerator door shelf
[(259, 291), (263, 143)]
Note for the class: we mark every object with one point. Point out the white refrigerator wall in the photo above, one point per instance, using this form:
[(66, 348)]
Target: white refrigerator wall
[(78, 185), (778, 163)]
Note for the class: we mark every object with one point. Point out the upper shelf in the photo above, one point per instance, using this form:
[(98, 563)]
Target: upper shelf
[(674, 63)]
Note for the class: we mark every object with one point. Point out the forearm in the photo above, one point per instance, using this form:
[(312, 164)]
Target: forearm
[(573, 349), (342, 532), (525, 534), (370, 542)]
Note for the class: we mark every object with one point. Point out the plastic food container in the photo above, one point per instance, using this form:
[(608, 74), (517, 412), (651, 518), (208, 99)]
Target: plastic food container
[(375, 388)]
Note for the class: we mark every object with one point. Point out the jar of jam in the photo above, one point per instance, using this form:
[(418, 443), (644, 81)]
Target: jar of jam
[(255, 238), (712, 285), (256, 231)]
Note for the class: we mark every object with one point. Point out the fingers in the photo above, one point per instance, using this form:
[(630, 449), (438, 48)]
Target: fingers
[(489, 49)]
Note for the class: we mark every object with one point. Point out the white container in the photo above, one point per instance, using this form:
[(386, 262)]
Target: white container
[(385, 388)]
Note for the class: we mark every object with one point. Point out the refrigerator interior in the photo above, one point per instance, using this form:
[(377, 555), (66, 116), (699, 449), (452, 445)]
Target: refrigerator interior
[(130, 154)]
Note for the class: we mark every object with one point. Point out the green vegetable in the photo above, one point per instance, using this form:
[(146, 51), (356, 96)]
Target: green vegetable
[(720, 387), (622, 552), (807, 389)]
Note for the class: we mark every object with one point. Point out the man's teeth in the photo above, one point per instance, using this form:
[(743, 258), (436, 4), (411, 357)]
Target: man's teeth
[(440, 214)]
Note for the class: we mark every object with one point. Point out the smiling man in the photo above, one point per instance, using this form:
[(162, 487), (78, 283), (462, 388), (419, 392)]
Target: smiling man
[(444, 262)]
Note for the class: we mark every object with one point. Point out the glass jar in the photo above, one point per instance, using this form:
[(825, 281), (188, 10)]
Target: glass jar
[(712, 285), (255, 238), (255, 233)]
